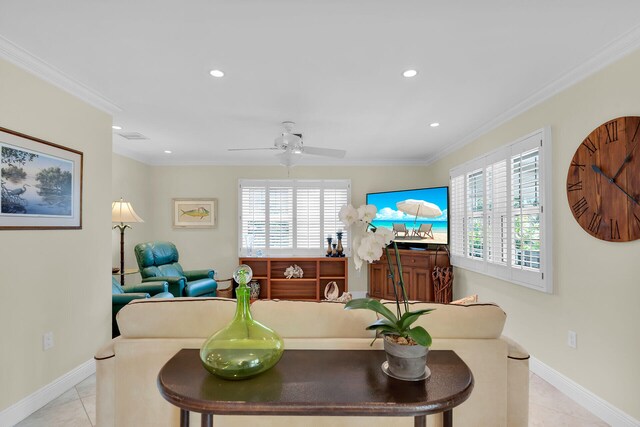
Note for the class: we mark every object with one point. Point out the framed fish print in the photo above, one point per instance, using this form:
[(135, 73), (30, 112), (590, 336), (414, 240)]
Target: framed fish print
[(40, 184), (194, 213)]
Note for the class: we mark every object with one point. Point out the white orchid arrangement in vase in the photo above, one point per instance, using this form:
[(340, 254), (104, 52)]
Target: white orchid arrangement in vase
[(368, 243)]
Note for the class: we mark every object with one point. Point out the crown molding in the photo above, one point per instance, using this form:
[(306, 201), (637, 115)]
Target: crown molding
[(314, 163), (29, 62), (611, 53)]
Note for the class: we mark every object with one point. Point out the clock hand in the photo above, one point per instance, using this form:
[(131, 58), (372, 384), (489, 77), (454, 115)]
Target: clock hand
[(625, 161), (628, 156), (596, 169)]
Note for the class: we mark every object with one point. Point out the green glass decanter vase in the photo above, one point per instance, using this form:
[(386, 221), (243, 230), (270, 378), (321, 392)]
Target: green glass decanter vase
[(244, 348)]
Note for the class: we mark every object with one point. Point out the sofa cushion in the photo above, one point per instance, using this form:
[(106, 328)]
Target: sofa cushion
[(200, 317), (175, 318), (459, 321), (313, 319)]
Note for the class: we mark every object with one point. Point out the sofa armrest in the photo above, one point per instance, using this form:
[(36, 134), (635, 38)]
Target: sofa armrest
[(150, 288), (176, 283), (122, 299), (198, 274), (202, 287), (517, 384)]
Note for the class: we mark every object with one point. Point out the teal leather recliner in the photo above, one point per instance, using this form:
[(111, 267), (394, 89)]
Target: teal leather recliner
[(159, 261), (122, 295)]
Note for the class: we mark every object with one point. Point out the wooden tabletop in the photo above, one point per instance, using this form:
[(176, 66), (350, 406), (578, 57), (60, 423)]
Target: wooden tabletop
[(318, 382)]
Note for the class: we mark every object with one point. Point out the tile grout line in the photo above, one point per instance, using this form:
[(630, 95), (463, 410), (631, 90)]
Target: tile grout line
[(84, 407)]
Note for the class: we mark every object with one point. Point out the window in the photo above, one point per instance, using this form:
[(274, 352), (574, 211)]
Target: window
[(290, 217), (501, 213)]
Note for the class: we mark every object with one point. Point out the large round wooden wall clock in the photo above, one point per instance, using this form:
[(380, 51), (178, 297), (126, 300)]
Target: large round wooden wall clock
[(603, 182)]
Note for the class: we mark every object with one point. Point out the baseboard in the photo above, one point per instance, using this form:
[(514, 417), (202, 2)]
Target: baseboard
[(583, 397), (27, 406)]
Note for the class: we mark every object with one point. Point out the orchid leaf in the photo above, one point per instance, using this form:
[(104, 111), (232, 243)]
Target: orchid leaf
[(373, 305), (381, 322), (420, 335), (409, 317)]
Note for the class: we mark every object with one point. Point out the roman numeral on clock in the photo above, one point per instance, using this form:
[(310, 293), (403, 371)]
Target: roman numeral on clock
[(594, 224), (577, 165), (589, 145), (612, 131), (574, 187), (615, 231), (580, 207)]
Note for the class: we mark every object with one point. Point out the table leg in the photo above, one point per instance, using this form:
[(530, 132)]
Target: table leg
[(206, 420), (420, 421), (184, 418), (447, 418)]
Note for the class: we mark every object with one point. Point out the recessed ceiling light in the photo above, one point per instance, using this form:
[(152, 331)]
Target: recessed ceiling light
[(410, 73), (216, 73), (434, 125), (167, 151), (116, 127)]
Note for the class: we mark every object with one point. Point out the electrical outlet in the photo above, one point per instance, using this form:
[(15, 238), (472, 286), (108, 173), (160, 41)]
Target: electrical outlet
[(47, 340), (572, 339)]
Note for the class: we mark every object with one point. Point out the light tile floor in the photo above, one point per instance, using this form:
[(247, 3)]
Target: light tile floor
[(548, 407)]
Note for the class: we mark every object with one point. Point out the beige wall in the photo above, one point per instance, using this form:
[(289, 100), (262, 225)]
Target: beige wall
[(131, 180), (218, 247), (54, 280), (597, 283)]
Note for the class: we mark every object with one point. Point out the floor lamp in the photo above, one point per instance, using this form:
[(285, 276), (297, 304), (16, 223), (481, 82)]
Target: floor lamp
[(122, 212)]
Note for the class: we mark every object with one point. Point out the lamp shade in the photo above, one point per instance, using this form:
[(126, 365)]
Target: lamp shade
[(122, 211)]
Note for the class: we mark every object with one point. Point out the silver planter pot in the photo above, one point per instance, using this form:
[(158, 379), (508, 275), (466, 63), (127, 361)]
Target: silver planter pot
[(406, 361)]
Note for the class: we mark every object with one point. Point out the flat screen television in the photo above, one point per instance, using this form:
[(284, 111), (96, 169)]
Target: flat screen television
[(418, 217)]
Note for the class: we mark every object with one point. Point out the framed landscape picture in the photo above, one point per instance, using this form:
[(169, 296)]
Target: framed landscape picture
[(194, 213), (41, 183)]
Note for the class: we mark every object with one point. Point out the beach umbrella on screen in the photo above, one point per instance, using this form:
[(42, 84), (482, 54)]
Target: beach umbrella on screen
[(419, 208)]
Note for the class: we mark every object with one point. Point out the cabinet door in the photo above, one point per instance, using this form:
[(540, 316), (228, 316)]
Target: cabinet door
[(421, 286), (406, 275), (377, 279)]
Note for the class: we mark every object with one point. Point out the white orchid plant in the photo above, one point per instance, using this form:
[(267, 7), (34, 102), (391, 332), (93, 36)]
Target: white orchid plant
[(368, 241)]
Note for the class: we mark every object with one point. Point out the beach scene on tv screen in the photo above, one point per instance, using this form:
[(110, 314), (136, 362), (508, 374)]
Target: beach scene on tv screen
[(415, 216)]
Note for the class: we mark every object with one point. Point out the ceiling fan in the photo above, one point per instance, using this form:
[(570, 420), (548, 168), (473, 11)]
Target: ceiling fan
[(291, 145)]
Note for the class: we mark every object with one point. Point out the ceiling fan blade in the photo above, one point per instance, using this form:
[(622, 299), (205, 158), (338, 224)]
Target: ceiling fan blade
[(252, 149), (327, 152)]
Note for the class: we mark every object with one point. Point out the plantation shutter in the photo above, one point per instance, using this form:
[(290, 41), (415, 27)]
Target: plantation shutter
[(496, 214), (498, 221), (253, 217), (457, 215), (526, 209), (290, 217), (280, 230), (308, 217), (334, 199)]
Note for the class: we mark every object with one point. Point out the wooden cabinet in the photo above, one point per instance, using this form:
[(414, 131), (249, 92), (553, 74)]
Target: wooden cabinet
[(318, 272), (416, 271)]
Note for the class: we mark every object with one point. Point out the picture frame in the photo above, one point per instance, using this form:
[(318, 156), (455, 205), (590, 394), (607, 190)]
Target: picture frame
[(195, 212), (41, 184)]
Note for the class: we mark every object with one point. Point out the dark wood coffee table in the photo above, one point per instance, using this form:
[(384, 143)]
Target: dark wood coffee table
[(318, 382)]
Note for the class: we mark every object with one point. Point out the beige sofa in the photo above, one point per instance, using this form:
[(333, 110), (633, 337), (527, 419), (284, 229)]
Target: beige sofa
[(154, 330)]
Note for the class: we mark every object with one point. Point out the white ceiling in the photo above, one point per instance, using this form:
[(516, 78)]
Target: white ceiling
[(334, 67)]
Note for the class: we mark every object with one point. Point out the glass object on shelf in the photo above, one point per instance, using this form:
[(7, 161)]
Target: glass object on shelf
[(244, 348), (249, 239)]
